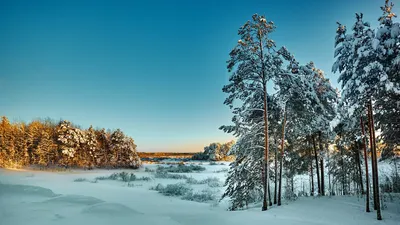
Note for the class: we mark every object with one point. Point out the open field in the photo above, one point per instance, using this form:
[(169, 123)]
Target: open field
[(105, 197)]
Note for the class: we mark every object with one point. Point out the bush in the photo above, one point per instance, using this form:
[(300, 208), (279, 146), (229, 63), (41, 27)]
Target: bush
[(124, 176), (212, 163), (178, 189), (127, 177), (204, 196), (80, 180), (149, 170), (158, 188), (143, 179), (181, 168), (210, 181), (165, 175)]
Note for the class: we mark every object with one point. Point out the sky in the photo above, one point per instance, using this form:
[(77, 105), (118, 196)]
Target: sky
[(154, 69)]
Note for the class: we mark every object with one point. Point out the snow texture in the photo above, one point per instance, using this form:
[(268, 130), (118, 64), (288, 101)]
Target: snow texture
[(43, 198)]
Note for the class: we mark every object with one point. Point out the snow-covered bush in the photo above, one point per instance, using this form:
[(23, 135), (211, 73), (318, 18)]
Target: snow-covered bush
[(166, 175), (206, 195), (181, 168), (210, 181), (179, 189), (148, 170), (80, 180)]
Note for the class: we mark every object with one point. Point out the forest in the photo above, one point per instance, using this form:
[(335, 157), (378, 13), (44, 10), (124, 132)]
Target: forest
[(304, 125), (45, 143)]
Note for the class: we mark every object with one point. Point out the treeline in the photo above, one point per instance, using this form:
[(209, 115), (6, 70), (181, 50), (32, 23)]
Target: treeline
[(47, 143), (215, 152)]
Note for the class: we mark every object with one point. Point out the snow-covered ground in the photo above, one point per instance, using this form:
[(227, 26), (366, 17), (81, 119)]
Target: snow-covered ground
[(41, 198)]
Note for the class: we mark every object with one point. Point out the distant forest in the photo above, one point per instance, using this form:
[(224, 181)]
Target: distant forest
[(47, 143)]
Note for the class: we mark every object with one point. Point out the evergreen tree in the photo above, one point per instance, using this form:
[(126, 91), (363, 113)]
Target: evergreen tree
[(254, 64)]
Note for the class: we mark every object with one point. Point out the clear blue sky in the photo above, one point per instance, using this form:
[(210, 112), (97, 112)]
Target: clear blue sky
[(155, 69)]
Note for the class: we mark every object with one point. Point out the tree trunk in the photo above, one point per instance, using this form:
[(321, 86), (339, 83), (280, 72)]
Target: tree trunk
[(359, 169), (276, 171), (329, 174), (269, 195), (372, 156), (366, 166), (322, 166), (322, 178), (266, 161), (312, 174), (343, 172), (378, 212), (281, 159), (316, 165)]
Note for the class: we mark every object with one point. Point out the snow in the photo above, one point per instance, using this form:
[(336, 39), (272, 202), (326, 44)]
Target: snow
[(41, 198), (375, 43)]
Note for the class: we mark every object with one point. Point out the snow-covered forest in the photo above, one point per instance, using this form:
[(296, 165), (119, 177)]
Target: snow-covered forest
[(304, 125), (305, 152), (45, 143)]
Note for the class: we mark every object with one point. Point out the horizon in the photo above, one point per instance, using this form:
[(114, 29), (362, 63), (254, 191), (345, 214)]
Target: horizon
[(143, 67)]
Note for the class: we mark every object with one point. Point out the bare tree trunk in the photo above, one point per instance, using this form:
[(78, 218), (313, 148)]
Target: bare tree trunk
[(322, 178), (276, 172), (372, 157), (329, 174), (322, 166), (312, 174), (343, 172), (316, 165), (378, 212), (266, 160), (359, 169), (269, 195), (281, 159), (366, 166)]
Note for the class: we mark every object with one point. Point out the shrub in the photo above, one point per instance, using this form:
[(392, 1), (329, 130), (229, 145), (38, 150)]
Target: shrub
[(213, 182), (149, 170), (181, 168), (203, 196), (143, 179), (212, 163), (80, 180), (134, 185), (127, 177), (124, 176), (178, 189), (159, 187), (210, 181), (166, 175)]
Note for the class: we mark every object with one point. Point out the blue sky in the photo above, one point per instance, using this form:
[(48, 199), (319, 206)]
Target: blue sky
[(154, 69)]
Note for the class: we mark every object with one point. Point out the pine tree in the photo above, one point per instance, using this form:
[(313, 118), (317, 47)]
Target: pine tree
[(253, 65), (91, 146)]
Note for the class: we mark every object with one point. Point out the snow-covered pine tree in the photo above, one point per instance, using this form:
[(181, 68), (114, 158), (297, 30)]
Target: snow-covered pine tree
[(103, 155), (91, 145), (46, 149), (388, 106), (244, 184), (253, 64), (116, 145), (72, 141)]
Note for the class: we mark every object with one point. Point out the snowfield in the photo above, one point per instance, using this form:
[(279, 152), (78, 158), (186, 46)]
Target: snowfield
[(41, 198)]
